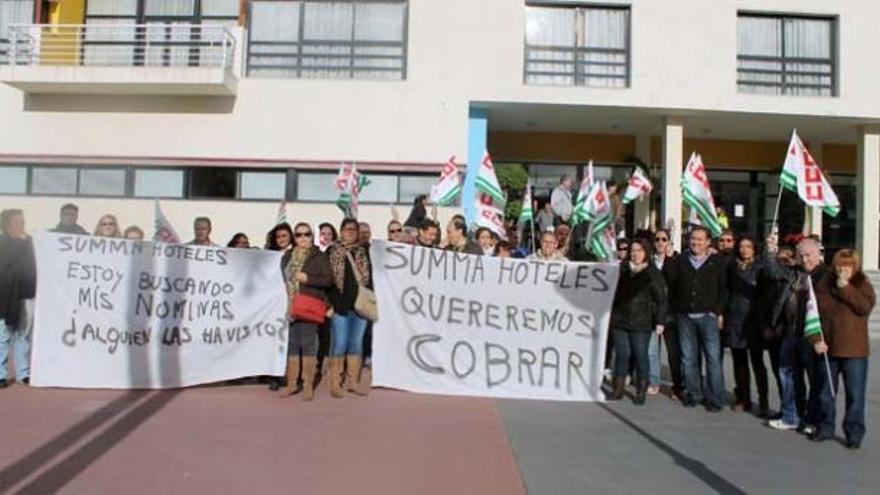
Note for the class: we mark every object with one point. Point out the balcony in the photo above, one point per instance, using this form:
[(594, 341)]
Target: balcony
[(123, 59)]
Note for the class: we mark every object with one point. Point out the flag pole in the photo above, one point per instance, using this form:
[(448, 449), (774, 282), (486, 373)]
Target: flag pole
[(774, 228), (828, 368)]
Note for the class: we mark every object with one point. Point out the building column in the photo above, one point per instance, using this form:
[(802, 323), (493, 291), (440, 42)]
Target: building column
[(868, 197), (673, 157), (813, 216), (478, 138), (643, 206)]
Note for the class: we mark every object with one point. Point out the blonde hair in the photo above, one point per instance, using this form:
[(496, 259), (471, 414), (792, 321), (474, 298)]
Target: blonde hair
[(116, 232)]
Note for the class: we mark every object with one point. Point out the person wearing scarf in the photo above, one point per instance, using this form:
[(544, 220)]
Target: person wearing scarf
[(639, 310), (306, 272), (347, 326)]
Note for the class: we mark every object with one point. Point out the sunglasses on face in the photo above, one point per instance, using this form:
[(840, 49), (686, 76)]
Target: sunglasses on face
[(108, 224), (661, 239), (395, 231), (726, 240), (303, 234)]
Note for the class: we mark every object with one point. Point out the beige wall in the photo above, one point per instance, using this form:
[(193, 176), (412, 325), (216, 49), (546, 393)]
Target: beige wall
[(460, 52)]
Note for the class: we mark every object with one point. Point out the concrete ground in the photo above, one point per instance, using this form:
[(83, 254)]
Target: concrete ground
[(242, 439)]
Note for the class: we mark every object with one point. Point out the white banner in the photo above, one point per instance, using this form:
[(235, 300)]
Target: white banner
[(112, 313), (473, 325)]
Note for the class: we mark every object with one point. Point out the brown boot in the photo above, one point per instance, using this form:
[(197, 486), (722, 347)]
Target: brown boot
[(617, 385), (353, 380), (309, 363), (292, 376), (336, 377)]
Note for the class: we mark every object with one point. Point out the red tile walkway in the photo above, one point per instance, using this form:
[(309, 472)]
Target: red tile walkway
[(242, 439)]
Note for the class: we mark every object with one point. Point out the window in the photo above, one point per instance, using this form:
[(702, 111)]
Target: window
[(381, 189), (13, 180), (102, 182), (316, 186), (262, 185), (322, 39), (213, 182), (413, 185), (786, 55), (167, 21), (576, 45), (54, 180), (13, 12), (153, 183)]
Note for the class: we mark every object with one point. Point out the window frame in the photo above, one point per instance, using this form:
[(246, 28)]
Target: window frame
[(578, 76), (297, 54), (184, 183), (833, 61)]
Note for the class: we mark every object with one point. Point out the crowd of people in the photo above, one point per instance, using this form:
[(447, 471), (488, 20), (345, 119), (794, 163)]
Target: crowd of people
[(729, 292)]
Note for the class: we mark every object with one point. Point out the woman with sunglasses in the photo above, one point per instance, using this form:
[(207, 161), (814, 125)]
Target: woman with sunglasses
[(395, 231), (107, 226), (350, 267), (664, 255), (307, 272)]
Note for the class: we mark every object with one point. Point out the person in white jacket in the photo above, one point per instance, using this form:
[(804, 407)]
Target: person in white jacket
[(560, 199)]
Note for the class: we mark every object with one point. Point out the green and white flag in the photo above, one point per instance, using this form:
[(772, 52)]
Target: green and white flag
[(526, 214), (349, 183), (697, 194), (598, 211), (487, 181), (812, 322), (638, 186), (579, 212), (489, 215), (802, 175), (448, 187)]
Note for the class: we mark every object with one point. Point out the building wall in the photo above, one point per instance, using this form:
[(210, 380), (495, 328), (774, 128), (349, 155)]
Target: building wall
[(460, 53)]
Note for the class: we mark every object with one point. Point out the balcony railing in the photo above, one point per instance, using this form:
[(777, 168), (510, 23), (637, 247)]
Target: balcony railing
[(581, 66), (120, 45), (787, 76)]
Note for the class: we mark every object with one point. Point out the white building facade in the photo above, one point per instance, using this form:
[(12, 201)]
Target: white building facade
[(224, 107)]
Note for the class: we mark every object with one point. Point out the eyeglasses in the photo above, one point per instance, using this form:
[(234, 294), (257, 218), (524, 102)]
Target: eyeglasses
[(303, 234), (350, 229), (395, 231), (661, 239), (725, 239), (108, 224)]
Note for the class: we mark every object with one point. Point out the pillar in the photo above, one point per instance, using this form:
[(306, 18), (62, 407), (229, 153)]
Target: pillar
[(643, 205), (673, 161), (868, 196), (478, 136)]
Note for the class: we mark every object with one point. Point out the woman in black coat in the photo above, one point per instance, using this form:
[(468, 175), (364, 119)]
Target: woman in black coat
[(742, 325), (639, 309)]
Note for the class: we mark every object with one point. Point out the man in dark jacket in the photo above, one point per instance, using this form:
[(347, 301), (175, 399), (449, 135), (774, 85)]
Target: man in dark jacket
[(799, 411), (17, 288), (698, 293), (68, 216)]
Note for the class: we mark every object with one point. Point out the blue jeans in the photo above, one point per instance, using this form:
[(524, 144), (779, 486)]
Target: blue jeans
[(19, 339), (630, 345), (855, 378), (696, 335), (791, 380), (347, 334), (654, 359)]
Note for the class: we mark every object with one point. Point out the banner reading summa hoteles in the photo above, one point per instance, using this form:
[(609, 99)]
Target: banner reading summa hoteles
[(462, 324), (112, 313)]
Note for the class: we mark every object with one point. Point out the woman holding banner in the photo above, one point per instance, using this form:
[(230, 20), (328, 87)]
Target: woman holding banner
[(108, 226), (308, 275), (350, 266), (845, 298), (639, 309)]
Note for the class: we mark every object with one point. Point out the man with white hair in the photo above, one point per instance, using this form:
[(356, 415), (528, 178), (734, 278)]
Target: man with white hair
[(795, 358)]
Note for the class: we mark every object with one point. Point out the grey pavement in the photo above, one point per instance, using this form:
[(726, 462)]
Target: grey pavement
[(662, 447)]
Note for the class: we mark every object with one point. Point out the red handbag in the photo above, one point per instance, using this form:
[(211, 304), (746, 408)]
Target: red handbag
[(308, 308)]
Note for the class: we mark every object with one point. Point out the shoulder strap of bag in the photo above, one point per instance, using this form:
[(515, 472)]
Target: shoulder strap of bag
[(357, 274)]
